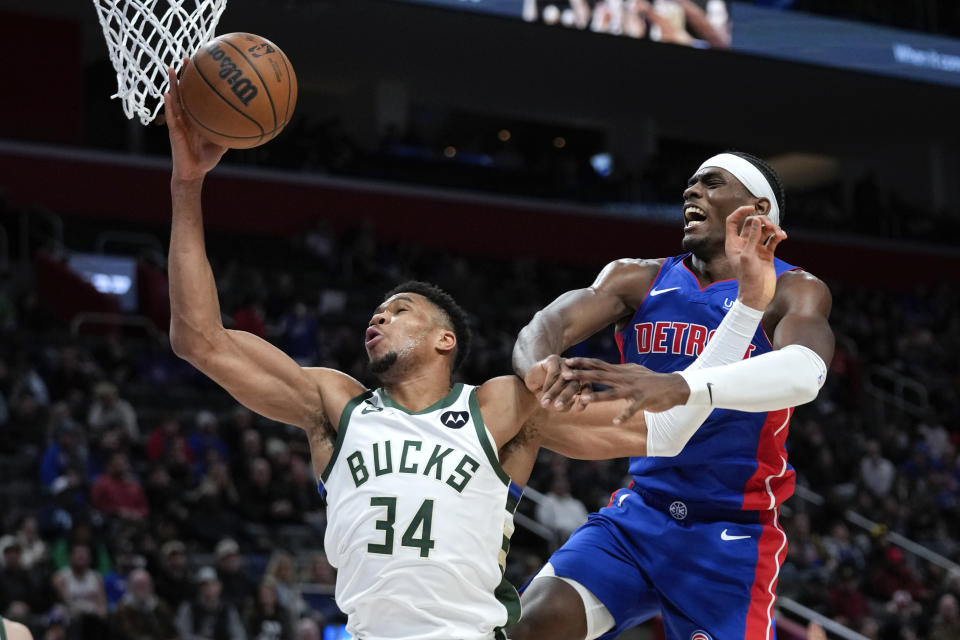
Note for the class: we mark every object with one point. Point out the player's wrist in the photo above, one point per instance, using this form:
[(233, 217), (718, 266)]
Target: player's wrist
[(752, 304), (680, 390), (185, 181)]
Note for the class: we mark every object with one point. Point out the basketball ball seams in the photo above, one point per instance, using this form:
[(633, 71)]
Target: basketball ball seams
[(196, 121), (263, 83), (232, 106)]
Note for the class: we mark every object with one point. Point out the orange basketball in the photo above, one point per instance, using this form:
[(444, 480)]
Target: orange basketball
[(239, 90)]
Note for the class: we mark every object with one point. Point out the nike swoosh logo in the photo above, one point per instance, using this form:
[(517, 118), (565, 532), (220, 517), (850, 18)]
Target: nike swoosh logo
[(656, 292), (622, 498), (725, 536), (710, 391), (367, 410)]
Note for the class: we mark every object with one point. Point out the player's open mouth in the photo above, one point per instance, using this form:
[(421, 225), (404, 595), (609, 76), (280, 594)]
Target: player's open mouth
[(693, 216), (372, 336)]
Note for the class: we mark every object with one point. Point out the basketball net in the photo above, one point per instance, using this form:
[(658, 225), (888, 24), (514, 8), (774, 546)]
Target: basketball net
[(145, 37)]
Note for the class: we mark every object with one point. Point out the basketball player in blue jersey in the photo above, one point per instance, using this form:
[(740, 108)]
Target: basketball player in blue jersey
[(695, 537)]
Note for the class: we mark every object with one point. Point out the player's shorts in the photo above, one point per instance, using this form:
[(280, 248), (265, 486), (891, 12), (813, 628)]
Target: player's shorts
[(712, 575)]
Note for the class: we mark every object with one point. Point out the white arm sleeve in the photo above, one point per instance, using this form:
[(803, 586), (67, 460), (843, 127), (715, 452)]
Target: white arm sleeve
[(668, 432), (784, 378)]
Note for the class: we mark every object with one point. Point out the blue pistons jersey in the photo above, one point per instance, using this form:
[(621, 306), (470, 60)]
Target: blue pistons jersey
[(736, 460)]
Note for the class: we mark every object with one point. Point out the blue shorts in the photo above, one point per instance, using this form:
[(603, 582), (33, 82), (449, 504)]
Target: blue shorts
[(711, 575)]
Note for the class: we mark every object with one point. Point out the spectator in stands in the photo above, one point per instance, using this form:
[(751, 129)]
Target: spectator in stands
[(266, 618), (141, 615), (80, 588), (559, 511), (24, 429), (904, 616), (848, 605), (206, 439), (17, 583), (891, 574), (173, 582), (232, 432), (307, 629), (116, 581), (307, 503), (283, 572), (117, 493), (237, 587), (33, 550), (252, 448), (319, 571), (208, 616), (298, 335), (213, 504), (876, 472), (251, 318), (110, 412), (946, 624), (264, 501), (167, 443), (320, 575), (166, 495), (66, 452)]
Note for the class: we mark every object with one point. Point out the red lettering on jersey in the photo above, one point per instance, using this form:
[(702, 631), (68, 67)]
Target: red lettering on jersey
[(660, 337), (644, 329), (696, 340), (710, 337), (679, 328), (750, 351)]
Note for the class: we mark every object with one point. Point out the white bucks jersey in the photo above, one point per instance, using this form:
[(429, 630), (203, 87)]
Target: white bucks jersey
[(419, 519)]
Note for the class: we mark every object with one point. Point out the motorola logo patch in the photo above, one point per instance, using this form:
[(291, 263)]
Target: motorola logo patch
[(454, 419)]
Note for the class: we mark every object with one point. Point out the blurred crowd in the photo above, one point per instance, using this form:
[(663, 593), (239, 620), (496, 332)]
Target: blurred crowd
[(141, 502)]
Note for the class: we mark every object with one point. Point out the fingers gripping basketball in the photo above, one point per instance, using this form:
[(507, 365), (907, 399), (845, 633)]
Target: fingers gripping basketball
[(239, 90)]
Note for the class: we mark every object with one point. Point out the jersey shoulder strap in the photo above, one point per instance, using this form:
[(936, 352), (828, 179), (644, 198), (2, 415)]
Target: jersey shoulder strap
[(341, 434)]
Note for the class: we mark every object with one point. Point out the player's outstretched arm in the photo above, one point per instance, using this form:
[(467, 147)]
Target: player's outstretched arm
[(253, 371), (750, 246), (575, 316)]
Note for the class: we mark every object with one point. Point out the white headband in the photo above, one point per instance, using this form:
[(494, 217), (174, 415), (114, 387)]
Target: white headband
[(749, 176)]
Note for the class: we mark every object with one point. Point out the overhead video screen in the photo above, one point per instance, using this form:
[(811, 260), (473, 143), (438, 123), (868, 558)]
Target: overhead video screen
[(760, 29)]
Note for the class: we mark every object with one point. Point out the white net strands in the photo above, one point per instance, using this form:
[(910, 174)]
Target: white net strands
[(145, 37)]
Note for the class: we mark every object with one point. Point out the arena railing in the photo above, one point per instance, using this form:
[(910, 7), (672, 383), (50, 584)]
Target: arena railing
[(893, 388), (531, 525), (910, 546), (808, 614)]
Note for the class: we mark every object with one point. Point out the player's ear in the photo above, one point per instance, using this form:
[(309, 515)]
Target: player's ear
[(446, 341), (762, 206)]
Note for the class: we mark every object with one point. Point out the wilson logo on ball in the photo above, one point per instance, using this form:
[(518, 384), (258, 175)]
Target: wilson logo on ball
[(241, 86)]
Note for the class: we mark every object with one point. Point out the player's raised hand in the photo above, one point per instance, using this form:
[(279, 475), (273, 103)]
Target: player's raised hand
[(641, 387), (193, 155), (547, 381), (751, 241)]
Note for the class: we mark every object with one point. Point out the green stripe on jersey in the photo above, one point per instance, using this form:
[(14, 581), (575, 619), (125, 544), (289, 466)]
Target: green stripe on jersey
[(509, 598), (446, 401), (342, 431), (488, 447)]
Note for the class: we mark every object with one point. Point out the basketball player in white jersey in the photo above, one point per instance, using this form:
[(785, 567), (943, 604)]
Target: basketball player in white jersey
[(420, 503)]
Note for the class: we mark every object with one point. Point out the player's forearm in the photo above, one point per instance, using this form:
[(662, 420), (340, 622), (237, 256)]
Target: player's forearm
[(669, 431), (539, 339), (784, 378), (194, 307)]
